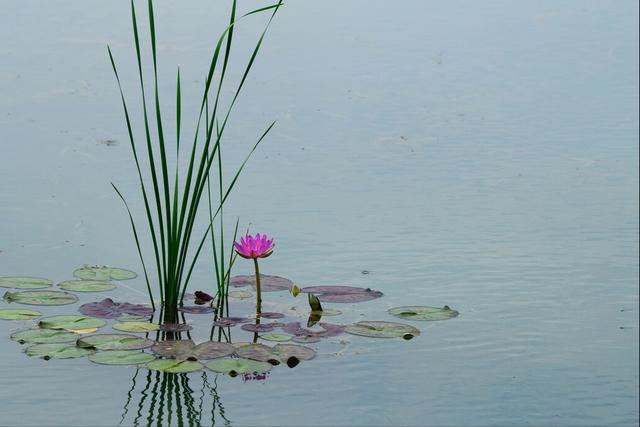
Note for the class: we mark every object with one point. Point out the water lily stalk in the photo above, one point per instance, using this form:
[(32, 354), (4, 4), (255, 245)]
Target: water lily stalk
[(258, 293)]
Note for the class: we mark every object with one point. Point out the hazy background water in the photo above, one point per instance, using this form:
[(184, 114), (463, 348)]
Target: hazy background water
[(478, 154)]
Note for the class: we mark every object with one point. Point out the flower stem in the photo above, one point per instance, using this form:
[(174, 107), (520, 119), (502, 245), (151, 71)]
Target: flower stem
[(258, 294)]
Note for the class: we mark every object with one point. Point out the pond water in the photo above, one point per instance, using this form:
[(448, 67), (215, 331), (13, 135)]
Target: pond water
[(482, 155)]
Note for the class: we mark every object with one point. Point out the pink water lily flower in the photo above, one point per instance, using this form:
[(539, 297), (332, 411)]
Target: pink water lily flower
[(252, 247)]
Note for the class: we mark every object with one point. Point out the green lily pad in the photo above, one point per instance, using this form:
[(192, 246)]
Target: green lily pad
[(57, 351), (277, 337), (174, 366), (379, 329), (18, 314), (71, 323), (41, 297), (136, 326), (238, 366), (19, 282), (86, 286), (114, 342), (103, 273), (418, 312), (240, 294), (121, 357), (276, 354), (43, 336)]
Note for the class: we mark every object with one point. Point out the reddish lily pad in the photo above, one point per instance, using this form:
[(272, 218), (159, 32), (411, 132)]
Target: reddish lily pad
[(108, 309), (266, 327), (21, 282), (230, 321), (196, 309), (188, 350), (41, 297), (267, 283), (379, 329), (114, 342), (238, 366), (418, 312), (268, 315), (348, 294)]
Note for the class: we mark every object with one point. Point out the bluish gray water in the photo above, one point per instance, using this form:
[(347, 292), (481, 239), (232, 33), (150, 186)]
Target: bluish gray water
[(482, 155)]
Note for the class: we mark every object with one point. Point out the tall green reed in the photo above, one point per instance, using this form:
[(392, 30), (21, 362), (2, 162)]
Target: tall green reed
[(172, 203)]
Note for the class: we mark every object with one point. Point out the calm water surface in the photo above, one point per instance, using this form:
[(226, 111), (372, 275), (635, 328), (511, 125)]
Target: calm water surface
[(482, 155)]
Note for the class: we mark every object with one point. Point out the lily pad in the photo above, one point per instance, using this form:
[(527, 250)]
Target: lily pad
[(86, 286), (121, 357), (321, 330), (196, 309), (71, 322), (114, 342), (103, 273), (41, 297), (187, 349), (136, 326), (266, 327), (418, 312), (57, 351), (231, 321), (238, 366), (268, 315), (43, 336), (379, 329), (175, 366), (19, 282), (305, 339), (277, 337), (349, 294), (278, 353), (240, 294), (267, 283), (108, 309), (18, 314)]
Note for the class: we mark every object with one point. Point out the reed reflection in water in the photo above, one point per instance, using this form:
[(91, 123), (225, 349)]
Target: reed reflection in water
[(164, 399)]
